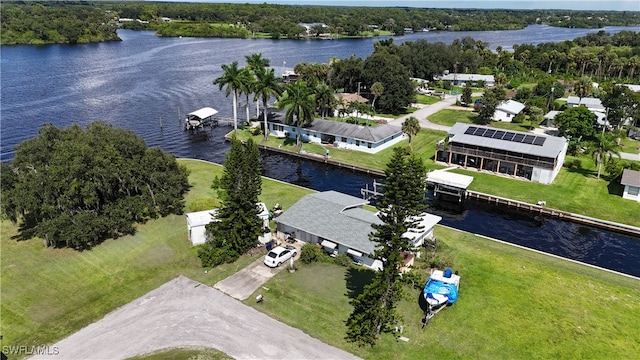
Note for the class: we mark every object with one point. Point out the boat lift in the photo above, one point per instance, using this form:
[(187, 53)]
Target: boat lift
[(200, 118)]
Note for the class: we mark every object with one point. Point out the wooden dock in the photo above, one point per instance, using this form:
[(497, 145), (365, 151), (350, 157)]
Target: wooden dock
[(554, 213)]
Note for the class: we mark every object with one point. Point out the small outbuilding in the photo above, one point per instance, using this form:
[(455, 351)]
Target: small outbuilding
[(507, 110), (197, 221), (200, 118), (631, 182)]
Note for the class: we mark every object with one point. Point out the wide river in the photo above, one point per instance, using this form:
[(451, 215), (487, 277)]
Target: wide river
[(145, 81)]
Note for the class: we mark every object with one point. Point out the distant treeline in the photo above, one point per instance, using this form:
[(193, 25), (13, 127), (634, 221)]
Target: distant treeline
[(32, 22)]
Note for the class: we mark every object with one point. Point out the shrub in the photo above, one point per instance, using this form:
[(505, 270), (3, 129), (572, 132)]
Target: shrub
[(518, 119), (343, 260), (310, 253), (573, 164), (255, 131)]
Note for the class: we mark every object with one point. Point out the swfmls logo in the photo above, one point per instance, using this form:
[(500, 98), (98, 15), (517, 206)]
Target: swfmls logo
[(31, 350)]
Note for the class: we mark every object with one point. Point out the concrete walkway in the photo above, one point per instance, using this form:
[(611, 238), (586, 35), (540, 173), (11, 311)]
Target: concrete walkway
[(630, 156), (423, 113), (185, 313)]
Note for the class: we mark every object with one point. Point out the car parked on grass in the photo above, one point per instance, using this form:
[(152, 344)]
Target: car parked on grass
[(279, 255)]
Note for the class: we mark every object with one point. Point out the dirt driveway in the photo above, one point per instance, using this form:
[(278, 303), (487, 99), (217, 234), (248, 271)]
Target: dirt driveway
[(184, 313)]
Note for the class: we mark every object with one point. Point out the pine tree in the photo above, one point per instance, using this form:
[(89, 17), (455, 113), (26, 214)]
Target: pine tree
[(238, 225), (400, 205)]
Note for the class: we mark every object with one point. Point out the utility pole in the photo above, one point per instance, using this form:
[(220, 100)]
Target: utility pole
[(359, 87)]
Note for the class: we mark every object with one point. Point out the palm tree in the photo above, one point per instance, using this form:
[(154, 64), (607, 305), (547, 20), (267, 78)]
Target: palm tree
[(232, 80), (256, 62), (376, 89), (266, 85), (248, 81), (299, 101), (583, 87), (411, 127), (603, 148), (324, 98)]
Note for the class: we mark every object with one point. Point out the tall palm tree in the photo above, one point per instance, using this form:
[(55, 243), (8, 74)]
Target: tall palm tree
[(602, 149), (248, 82), (299, 101), (325, 99), (583, 87), (411, 127), (376, 89), (266, 85), (256, 62), (232, 80)]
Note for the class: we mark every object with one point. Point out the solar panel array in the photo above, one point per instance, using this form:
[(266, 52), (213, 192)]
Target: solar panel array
[(505, 135)]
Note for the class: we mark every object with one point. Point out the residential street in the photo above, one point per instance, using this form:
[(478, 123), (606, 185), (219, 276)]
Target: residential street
[(183, 313)]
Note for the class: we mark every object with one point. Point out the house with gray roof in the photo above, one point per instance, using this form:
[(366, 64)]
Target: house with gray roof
[(339, 224), (507, 110), (593, 104), (524, 155), (370, 139), (631, 182)]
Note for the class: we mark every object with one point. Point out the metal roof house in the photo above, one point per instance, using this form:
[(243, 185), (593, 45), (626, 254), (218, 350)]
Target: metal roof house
[(370, 139), (592, 104), (338, 223), (534, 157), (462, 79), (507, 110), (631, 182)]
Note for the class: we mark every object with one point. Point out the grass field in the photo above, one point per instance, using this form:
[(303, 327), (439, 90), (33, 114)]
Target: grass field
[(450, 117), (47, 294), (513, 304), (185, 354)]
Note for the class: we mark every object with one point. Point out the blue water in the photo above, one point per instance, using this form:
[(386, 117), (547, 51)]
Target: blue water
[(145, 81)]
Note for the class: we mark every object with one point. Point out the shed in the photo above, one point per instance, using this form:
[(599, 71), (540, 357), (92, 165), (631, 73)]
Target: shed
[(507, 110), (631, 182), (196, 222)]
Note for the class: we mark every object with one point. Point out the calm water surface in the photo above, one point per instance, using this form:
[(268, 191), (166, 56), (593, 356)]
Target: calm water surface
[(145, 81)]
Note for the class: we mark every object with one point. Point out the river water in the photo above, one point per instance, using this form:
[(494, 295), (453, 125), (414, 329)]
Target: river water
[(144, 82)]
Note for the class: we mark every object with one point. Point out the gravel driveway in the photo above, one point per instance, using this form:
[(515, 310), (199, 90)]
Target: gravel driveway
[(184, 313)]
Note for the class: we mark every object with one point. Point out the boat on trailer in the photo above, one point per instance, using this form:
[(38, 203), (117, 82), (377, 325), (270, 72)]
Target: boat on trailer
[(200, 118), (440, 290)]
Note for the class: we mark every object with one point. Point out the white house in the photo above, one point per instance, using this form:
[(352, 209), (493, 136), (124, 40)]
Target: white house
[(507, 110), (370, 139), (338, 223), (631, 182), (197, 221), (593, 104), (462, 79)]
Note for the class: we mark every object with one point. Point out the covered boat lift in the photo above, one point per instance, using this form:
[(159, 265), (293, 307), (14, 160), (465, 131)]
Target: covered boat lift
[(449, 183), (200, 118)]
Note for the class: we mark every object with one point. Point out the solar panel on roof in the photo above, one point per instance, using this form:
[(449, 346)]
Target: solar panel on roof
[(489, 133), (479, 131), (528, 139), (539, 140), (499, 134), (470, 130), (518, 138), (508, 136)]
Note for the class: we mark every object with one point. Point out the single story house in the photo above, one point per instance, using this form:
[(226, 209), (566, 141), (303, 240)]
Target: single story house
[(507, 110), (197, 221), (534, 157), (631, 182), (370, 139), (310, 26), (593, 104), (338, 223), (462, 79), (548, 118)]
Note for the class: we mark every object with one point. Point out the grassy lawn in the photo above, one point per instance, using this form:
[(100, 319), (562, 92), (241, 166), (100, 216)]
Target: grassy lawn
[(513, 303), (47, 294), (426, 99), (185, 354), (630, 145), (449, 117)]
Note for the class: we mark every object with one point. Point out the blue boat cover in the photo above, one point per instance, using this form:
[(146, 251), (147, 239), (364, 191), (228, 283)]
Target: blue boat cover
[(442, 288)]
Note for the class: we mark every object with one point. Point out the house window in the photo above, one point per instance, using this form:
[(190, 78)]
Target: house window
[(508, 115), (634, 190), (357, 142), (338, 138), (278, 128), (369, 145)]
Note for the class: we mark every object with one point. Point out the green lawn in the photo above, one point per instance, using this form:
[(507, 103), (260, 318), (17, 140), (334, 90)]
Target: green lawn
[(185, 354), (450, 117), (513, 304), (426, 99), (630, 145), (47, 294)]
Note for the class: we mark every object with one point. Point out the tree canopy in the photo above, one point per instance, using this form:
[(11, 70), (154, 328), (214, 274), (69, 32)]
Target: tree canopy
[(76, 188), (576, 122), (399, 206), (238, 226)]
